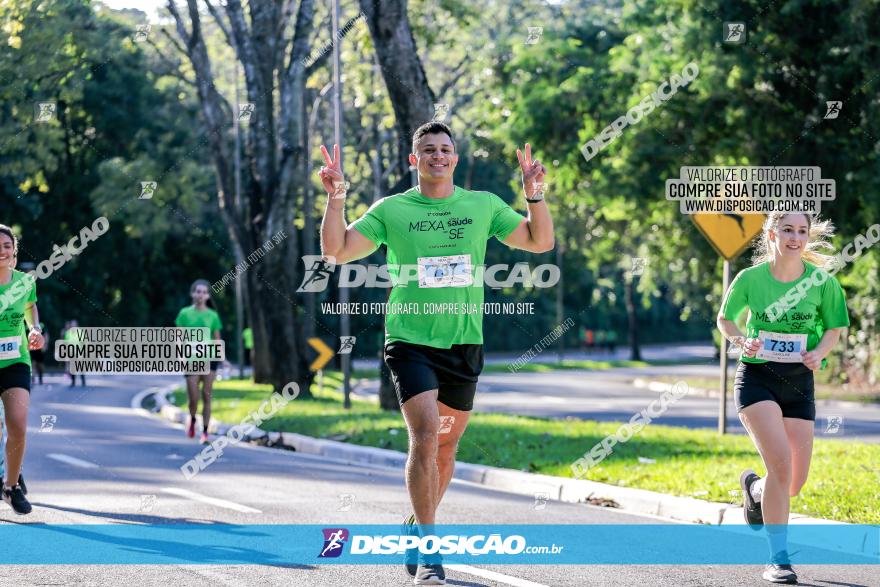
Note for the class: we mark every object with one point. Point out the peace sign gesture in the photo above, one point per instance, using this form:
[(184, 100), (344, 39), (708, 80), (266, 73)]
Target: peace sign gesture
[(331, 175), (532, 173)]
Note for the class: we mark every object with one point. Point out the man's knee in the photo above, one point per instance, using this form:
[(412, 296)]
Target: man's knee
[(424, 440)]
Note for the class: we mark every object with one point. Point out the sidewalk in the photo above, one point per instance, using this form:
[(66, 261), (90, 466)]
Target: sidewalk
[(684, 509)]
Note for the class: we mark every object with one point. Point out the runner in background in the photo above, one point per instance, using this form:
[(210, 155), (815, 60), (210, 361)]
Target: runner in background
[(600, 340), (247, 336), (774, 388), (611, 340), (3, 415), (201, 314), (70, 335), (19, 294)]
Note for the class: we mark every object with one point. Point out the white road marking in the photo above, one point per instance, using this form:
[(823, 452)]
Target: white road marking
[(493, 576), (72, 461), (222, 503)]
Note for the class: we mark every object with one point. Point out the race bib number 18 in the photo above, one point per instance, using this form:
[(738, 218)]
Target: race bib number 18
[(449, 271), (782, 348), (9, 347)]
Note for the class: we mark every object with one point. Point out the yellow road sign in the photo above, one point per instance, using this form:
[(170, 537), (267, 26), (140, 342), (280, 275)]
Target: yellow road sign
[(325, 353), (729, 234)]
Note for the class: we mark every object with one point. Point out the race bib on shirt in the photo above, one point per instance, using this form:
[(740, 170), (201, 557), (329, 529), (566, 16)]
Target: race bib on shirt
[(448, 271), (9, 347), (782, 348)]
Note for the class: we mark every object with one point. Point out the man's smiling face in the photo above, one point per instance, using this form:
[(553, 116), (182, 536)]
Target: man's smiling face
[(435, 157)]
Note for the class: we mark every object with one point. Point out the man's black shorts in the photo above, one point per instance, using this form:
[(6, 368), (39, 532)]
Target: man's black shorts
[(417, 368), (788, 384), (15, 375)]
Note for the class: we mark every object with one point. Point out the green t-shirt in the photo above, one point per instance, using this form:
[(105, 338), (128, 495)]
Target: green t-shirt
[(434, 248), (189, 317), (14, 297), (248, 336), (814, 307)]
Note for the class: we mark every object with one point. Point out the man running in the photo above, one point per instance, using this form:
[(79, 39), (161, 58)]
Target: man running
[(436, 236)]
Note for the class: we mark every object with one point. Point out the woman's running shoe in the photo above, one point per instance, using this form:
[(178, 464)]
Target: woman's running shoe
[(430, 574), (751, 509), (776, 573), (204, 438), (191, 431), (14, 496)]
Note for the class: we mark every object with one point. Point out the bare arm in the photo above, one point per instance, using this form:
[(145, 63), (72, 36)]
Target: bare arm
[(535, 234), (731, 332), (340, 243), (35, 340), (813, 358)]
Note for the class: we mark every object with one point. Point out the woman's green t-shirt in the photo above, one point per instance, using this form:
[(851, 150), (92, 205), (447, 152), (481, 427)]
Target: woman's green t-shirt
[(14, 298), (810, 305)]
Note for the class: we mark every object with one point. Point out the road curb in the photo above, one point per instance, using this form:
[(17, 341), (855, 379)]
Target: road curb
[(642, 501)]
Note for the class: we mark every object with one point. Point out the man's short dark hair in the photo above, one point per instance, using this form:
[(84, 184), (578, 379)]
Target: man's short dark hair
[(431, 128)]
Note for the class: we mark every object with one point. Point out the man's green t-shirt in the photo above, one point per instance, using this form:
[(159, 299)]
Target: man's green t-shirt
[(818, 307), (14, 297), (190, 317), (435, 247)]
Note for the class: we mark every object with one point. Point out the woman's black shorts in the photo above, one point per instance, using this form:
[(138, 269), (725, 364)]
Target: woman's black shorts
[(788, 384), (15, 375), (417, 368)]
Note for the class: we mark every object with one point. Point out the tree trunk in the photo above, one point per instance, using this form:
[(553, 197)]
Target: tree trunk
[(411, 96), (629, 294), (274, 159)]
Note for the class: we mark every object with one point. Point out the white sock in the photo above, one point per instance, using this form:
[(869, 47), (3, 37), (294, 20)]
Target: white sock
[(757, 489)]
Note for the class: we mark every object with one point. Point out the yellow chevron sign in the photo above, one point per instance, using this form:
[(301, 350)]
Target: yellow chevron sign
[(325, 353), (729, 234)]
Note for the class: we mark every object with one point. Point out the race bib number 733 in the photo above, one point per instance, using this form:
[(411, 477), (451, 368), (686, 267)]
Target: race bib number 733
[(448, 271), (782, 348)]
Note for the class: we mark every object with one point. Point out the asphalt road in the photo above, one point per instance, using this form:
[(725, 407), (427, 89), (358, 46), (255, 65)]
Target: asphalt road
[(611, 396), (101, 458)]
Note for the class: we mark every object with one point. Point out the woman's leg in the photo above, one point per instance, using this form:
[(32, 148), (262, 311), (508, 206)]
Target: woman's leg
[(800, 439), (192, 394), (207, 388), (16, 402), (765, 425)]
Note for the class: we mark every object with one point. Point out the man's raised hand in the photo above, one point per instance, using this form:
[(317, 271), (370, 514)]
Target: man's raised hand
[(532, 173), (331, 174)]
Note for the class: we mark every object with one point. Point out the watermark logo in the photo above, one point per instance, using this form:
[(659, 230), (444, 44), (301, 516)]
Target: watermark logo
[(441, 111), (317, 273), (446, 423), (245, 111), (734, 33), (646, 105), (540, 501), (334, 540), (849, 253), (346, 344), (142, 31), (267, 410), (832, 109), (45, 111), (148, 188), (340, 190), (47, 422), (834, 425), (148, 503), (542, 344), (534, 35), (346, 500), (255, 256), (626, 431), (638, 265), (318, 269)]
